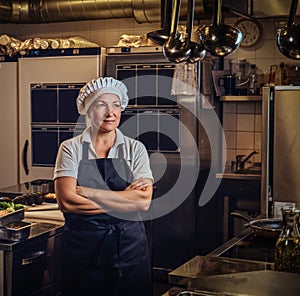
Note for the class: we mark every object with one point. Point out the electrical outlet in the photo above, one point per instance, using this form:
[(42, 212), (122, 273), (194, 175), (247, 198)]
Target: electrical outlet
[(278, 205)]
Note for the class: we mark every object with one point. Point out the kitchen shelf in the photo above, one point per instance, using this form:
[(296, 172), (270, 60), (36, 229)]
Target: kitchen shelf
[(240, 98), (238, 176)]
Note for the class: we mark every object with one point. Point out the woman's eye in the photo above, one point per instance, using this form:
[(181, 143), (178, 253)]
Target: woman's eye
[(117, 105), (101, 105)]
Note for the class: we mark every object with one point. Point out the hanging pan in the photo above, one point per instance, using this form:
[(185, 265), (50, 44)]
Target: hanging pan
[(220, 39), (288, 37), (161, 36)]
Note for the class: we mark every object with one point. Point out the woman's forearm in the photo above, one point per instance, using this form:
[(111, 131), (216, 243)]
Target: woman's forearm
[(71, 202), (123, 201)]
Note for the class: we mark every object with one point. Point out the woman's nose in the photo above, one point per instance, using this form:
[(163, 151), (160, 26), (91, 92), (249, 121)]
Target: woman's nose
[(110, 109)]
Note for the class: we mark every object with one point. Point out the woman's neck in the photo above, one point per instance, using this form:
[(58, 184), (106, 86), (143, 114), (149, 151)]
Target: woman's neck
[(103, 142)]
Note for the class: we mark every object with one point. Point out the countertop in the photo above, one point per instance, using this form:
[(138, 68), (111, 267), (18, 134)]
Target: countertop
[(39, 228), (200, 266), (223, 276)]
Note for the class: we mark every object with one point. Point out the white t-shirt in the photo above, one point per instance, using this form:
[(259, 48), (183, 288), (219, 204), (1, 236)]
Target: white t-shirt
[(70, 154)]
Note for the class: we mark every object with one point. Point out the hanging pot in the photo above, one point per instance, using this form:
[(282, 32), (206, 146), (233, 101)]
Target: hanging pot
[(175, 49), (161, 36), (197, 49), (220, 39), (288, 37)]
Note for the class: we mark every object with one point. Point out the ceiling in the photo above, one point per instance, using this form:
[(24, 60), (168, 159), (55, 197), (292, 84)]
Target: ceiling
[(47, 11)]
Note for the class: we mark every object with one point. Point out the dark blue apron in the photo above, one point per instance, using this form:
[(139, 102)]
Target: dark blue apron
[(102, 254)]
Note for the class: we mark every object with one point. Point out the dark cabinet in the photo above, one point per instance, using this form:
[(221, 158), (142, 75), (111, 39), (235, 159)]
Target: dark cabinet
[(32, 267)]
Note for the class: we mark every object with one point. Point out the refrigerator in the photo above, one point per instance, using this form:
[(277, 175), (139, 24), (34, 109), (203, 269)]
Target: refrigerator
[(280, 148), (8, 121), (49, 82)]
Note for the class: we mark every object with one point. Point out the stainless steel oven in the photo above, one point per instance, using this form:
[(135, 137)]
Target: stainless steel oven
[(168, 125)]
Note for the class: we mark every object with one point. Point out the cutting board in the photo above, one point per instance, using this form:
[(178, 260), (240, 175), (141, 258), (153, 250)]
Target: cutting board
[(45, 206)]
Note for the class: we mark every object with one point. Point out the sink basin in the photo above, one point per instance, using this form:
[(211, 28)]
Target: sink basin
[(255, 170)]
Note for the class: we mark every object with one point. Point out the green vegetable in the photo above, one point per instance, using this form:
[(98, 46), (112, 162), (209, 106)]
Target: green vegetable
[(4, 205), (10, 206), (19, 206)]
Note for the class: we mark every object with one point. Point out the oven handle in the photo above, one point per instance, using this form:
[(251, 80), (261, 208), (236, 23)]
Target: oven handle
[(24, 157), (35, 256)]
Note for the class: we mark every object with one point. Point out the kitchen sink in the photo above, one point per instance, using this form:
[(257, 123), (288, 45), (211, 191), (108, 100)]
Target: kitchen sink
[(250, 170), (253, 169)]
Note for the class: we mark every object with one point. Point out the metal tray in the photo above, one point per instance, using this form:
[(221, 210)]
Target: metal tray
[(15, 231), (12, 217)]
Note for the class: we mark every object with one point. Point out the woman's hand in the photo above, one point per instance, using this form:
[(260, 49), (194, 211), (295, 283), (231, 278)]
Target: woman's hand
[(139, 184)]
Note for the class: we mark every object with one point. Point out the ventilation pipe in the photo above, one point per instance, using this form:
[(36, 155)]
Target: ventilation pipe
[(49, 11)]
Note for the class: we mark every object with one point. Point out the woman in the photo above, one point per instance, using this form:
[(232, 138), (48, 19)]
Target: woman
[(102, 181)]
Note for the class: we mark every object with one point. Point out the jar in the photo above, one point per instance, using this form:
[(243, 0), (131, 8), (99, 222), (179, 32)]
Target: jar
[(238, 68), (287, 250)]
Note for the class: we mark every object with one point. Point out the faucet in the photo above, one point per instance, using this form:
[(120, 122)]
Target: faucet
[(240, 162)]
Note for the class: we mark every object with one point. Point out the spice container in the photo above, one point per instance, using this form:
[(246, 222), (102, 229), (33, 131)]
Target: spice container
[(287, 251)]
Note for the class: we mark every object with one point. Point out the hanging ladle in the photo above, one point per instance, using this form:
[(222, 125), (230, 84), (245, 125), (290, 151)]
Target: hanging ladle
[(288, 37), (220, 39), (161, 36), (176, 50), (197, 49)]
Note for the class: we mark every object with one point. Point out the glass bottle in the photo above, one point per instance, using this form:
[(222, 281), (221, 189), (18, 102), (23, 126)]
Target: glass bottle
[(287, 250), (252, 89)]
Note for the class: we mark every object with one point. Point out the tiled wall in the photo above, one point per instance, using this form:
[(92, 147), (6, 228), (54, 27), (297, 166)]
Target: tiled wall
[(108, 32), (242, 129)]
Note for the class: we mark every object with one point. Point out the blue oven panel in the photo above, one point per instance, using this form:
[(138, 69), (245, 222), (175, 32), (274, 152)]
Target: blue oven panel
[(54, 118), (157, 129), (148, 84), (46, 141)]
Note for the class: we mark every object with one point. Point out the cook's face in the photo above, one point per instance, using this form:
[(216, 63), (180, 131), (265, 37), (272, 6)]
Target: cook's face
[(105, 112)]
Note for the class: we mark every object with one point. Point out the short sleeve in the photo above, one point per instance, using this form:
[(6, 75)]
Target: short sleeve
[(67, 161), (141, 164)]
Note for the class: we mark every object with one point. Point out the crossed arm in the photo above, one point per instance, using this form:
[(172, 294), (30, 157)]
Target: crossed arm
[(84, 200)]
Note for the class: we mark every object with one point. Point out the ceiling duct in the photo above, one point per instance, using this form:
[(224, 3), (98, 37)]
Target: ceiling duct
[(49, 11)]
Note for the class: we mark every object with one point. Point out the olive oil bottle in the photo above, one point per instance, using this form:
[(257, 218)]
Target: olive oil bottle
[(287, 251)]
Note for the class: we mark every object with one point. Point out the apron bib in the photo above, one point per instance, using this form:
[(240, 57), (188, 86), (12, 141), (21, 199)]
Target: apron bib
[(105, 255)]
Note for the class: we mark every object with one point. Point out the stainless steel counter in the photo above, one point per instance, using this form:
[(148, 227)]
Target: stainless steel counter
[(224, 276), (203, 266)]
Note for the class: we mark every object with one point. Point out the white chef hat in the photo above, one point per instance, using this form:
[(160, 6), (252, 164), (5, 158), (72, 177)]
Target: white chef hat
[(96, 87)]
